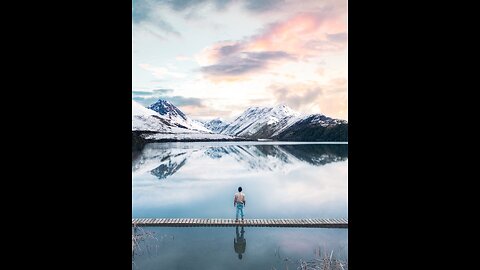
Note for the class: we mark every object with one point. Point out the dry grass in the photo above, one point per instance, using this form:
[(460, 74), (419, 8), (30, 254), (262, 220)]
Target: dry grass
[(139, 235), (324, 261)]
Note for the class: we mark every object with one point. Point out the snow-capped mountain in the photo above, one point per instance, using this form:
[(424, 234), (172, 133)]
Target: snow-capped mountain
[(152, 126), (315, 127), (165, 122), (144, 119), (216, 125), (261, 122), (173, 113), (283, 123)]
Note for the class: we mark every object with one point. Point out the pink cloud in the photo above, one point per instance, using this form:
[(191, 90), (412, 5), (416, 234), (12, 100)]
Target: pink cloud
[(294, 34), (300, 37)]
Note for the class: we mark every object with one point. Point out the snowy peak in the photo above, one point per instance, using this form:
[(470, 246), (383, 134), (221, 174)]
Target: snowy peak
[(281, 122), (166, 108), (148, 125), (144, 119), (284, 110), (278, 111), (173, 113), (261, 122)]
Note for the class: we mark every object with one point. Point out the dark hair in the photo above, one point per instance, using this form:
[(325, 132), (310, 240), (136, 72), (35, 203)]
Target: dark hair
[(239, 189)]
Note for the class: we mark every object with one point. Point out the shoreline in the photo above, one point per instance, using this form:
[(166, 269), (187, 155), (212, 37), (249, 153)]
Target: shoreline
[(140, 139)]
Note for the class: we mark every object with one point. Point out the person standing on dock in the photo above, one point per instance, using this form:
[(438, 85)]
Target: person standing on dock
[(239, 202)]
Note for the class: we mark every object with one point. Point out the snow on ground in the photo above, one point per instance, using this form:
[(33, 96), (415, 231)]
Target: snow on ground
[(176, 116), (144, 119), (188, 136)]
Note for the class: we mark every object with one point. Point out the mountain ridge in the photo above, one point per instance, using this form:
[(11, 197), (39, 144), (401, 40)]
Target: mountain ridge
[(150, 126), (163, 121), (283, 123)]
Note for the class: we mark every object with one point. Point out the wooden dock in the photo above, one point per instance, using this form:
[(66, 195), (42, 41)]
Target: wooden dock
[(221, 222)]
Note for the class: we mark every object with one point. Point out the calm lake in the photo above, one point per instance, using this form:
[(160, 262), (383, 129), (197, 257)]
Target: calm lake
[(198, 180)]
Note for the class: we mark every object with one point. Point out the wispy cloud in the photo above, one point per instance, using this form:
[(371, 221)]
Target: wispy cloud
[(154, 92), (339, 37), (148, 97), (180, 5), (263, 5), (140, 8), (296, 96), (300, 37), (329, 98), (144, 16), (161, 72), (293, 34), (175, 100), (162, 91), (244, 62), (141, 93)]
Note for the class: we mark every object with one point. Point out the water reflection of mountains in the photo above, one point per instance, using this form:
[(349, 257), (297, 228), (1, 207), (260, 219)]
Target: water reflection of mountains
[(164, 162)]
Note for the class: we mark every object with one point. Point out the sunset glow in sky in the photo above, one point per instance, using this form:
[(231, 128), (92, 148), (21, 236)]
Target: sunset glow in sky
[(216, 58)]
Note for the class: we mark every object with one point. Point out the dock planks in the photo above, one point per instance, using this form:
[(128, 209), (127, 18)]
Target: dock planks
[(222, 222)]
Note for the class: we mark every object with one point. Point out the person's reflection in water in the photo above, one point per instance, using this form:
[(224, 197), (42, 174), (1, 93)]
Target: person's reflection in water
[(239, 243)]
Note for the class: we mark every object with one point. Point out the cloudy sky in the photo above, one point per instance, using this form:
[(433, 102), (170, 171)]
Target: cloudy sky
[(215, 58)]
